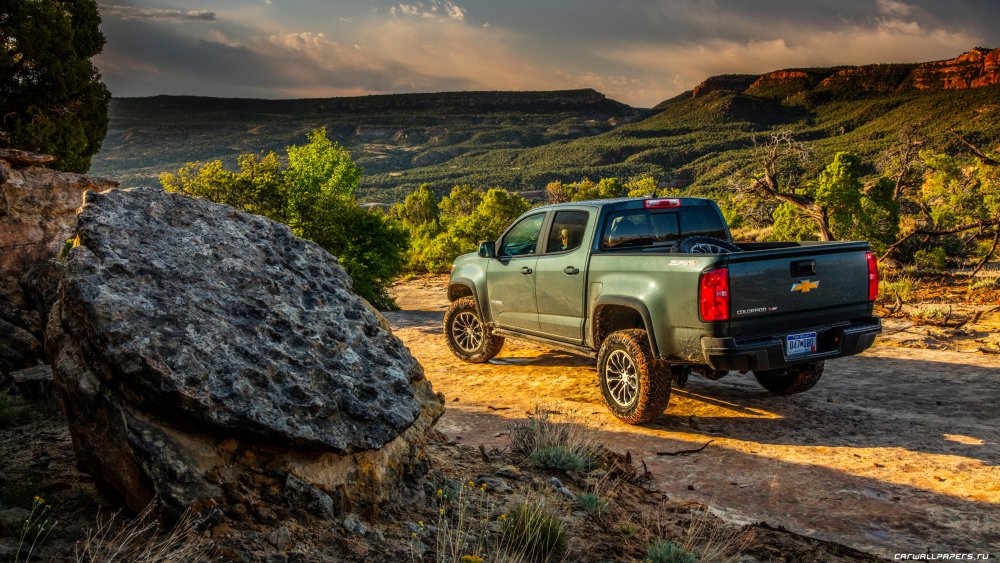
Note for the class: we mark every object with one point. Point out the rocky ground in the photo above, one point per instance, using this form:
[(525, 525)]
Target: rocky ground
[(38, 461), (895, 450)]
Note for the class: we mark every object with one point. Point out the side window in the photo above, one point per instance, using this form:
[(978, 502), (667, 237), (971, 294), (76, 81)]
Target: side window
[(638, 228), (567, 231), (523, 237)]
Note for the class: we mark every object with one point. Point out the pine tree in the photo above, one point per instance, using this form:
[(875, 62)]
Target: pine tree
[(52, 97)]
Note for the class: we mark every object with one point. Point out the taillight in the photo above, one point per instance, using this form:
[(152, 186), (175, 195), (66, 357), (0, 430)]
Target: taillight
[(713, 295), (872, 277), (661, 203)]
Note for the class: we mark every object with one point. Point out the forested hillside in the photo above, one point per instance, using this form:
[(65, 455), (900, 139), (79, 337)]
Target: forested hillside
[(384, 134), (524, 140)]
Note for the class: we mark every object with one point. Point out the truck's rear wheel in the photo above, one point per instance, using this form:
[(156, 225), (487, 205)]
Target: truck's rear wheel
[(790, 380), (468, 337), (636, 386)]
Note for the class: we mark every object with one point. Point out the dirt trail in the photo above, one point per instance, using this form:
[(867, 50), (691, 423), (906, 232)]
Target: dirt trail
[(896, 450)]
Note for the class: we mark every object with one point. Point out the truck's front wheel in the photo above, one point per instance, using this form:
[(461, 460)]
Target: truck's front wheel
[(636, 386), (468, 337), (790, 380)]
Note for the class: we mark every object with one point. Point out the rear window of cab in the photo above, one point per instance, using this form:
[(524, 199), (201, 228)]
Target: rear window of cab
[(643, 228)]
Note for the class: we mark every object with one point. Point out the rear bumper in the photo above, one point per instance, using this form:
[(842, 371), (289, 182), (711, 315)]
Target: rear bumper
[(769, 352)]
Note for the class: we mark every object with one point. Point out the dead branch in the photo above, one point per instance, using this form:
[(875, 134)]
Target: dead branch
[(974, 318), (982, 156), (768, 155), (993, 249), (686, 452), (931, 233)]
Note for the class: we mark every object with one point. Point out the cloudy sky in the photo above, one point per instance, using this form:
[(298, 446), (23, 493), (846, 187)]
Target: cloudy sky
[(636, 51)]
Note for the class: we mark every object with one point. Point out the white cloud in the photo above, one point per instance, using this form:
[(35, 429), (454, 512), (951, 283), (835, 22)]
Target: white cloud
[(434, 9), (671, 69), (154, 14)]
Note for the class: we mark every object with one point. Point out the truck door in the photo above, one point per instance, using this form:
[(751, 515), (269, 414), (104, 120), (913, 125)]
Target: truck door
[(560, 275), (511, 277)]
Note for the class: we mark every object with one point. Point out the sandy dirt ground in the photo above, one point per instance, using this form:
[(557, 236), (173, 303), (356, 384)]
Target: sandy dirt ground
[(894, 451)]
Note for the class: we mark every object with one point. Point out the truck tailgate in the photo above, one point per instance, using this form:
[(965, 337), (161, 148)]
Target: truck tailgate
[(797, 287)]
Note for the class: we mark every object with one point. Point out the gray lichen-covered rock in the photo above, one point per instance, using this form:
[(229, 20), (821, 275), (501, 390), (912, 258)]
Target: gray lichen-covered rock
[(204, 355)]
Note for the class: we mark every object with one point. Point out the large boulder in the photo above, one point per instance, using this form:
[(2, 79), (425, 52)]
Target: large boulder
[(207, 357)]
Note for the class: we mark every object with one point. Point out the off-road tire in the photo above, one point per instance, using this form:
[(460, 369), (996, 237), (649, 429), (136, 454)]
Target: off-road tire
[(653, 377), (704, 245), (790, 380), (489, 345)]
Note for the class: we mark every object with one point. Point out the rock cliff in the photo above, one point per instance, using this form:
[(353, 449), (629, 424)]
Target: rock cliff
[(976, 68), (207, 357)]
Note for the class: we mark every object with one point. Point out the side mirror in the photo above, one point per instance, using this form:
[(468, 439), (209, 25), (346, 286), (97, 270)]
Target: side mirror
[(488, 249)]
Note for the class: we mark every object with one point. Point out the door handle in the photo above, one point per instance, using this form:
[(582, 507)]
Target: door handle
[(571, 270), (526, 270)]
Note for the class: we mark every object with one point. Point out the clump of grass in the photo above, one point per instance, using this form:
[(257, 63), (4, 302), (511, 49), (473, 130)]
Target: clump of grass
[(666, 551), (898, 290), (551, 445), (10, 413), (934, 313), (592, 503), (533, 530), (706, 537), (141, 540), (562, 458), (986, 283), (628, 528)]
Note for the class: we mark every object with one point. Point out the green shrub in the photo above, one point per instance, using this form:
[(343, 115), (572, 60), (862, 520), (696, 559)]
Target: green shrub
[(592, 503), (986, 283), (666, 551), (901, 286), (933, 259), (562, 458), (552, 445), (534, 530), (9, 412)]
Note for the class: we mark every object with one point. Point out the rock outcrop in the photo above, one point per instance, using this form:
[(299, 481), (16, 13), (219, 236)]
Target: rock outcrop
[(38, 208), (976, 68), (207, 357), (973, 69), (724, 82)]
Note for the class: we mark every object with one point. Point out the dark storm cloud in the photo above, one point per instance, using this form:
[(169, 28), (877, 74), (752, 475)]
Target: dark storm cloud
[(640, 52), (148, 54)]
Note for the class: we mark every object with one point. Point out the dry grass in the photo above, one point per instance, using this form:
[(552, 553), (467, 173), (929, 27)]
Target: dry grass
[(140, 540), (566, 446), (705, 536)]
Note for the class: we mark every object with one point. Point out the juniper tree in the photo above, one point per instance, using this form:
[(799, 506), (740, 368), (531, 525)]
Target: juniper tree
[(52, 97)]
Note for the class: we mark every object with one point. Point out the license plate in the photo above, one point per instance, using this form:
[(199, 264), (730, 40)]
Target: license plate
[(799, 344)]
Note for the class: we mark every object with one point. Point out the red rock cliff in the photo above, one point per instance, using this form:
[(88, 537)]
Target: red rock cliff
[(974, 69)]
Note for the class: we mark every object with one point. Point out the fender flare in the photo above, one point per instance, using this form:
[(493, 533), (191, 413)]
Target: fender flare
[(471, 286), (631, 303)]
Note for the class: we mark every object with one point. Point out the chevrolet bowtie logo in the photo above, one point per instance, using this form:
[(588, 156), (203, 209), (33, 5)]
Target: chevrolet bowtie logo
[(805, 286)]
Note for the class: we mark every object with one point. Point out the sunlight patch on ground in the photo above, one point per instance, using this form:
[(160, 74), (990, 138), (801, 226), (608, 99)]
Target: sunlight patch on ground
[(969, 440)]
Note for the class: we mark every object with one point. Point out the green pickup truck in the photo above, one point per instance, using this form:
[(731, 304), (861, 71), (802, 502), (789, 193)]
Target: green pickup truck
[(656, 289)]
